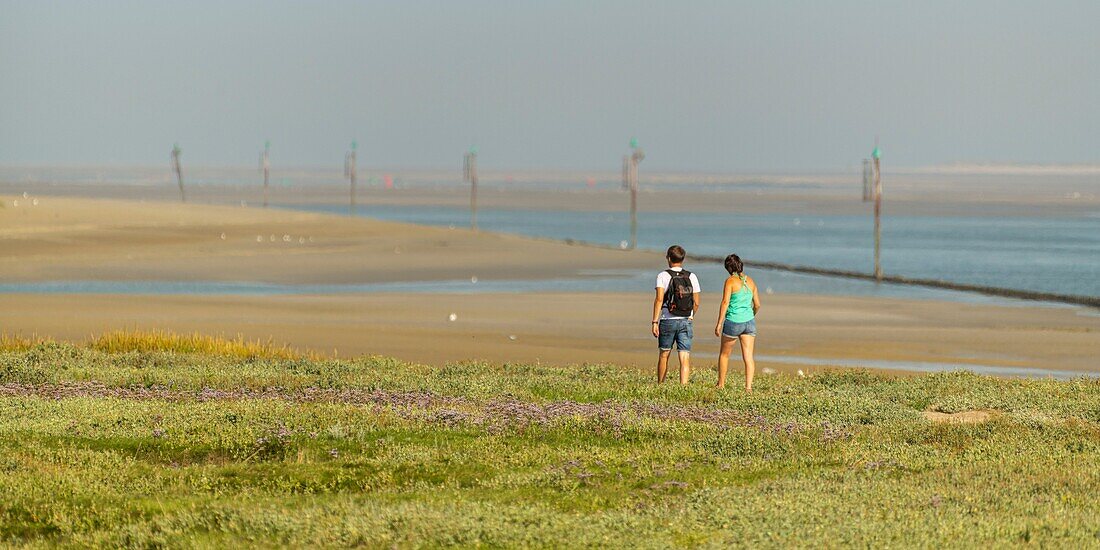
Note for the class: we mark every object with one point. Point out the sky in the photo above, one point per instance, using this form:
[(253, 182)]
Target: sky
[(761, 86)]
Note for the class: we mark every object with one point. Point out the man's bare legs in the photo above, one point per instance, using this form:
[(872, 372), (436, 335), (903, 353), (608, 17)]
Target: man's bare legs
[(662, 365), (685, 366)]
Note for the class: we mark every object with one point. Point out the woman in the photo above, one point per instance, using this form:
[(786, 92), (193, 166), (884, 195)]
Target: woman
[(737, 320)]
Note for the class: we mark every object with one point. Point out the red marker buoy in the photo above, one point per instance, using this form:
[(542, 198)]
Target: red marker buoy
[(388, 181)]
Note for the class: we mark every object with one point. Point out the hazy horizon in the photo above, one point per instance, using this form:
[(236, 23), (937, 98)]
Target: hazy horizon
[(705, 87)]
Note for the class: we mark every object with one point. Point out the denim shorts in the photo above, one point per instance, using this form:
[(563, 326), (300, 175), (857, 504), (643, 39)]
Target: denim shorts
[(733, 330), (675, 331)]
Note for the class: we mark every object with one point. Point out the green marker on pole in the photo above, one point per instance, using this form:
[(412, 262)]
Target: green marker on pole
[(354, 145), (876, 153), (473, 149), (633, 143), (267, 145)]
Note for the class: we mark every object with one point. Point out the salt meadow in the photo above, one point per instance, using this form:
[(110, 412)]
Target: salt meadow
[(139, 440)]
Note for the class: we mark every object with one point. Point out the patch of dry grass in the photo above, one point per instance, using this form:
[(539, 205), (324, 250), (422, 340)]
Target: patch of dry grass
[(122, 341), (17, 342)]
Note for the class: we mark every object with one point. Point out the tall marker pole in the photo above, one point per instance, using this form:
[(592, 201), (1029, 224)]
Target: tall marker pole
[(876, 155), (868, 181), (626, 173), (350, 172), (636, 156), (179, 169), (265, 165), (633, 205), (469, 170)]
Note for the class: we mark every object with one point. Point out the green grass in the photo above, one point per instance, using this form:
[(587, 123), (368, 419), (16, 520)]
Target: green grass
[(111, 444)]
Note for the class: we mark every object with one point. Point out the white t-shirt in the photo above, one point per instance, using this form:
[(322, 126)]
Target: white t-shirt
[(664, 279)]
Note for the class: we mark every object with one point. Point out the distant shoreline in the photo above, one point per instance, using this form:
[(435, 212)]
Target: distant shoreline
[(920, 196)]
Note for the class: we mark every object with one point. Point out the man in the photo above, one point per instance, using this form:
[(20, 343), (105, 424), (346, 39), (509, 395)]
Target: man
[(674, 308)]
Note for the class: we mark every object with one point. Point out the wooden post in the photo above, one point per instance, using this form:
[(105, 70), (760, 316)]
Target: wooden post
[(265, 165), (350, 172), (868, 181), (632, 173), (878, 213), (469, 169), (179, 169), (626, 173)]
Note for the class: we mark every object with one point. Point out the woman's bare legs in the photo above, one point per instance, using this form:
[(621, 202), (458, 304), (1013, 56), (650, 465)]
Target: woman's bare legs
[(724, 359), (747, 342)]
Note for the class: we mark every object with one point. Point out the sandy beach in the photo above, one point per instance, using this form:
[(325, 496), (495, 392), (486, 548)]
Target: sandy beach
[(574, 329), (110, 240)]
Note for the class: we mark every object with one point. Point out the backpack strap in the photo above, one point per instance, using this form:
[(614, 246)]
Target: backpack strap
[(667, 300), (672, 275)]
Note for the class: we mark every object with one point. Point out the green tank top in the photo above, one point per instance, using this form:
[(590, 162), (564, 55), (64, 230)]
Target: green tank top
[(740, 306)]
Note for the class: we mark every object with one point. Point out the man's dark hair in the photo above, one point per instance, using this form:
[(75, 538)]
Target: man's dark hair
[(676, 254), (734, 264)]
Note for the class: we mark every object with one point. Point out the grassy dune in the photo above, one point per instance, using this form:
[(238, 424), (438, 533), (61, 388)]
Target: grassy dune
[(144, 444)]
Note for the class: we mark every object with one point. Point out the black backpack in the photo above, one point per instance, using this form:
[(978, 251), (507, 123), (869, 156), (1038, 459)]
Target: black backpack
[(680, 294)]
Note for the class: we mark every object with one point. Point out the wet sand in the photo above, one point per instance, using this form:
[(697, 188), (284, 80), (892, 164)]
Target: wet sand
[(582, 328), (82, 239)]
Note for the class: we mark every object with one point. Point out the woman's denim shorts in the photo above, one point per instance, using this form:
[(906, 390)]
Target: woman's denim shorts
[(733, 330)]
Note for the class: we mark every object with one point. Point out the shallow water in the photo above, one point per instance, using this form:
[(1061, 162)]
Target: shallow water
[(1060, 255), (907, 366), (926, 366), (595, 281)]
